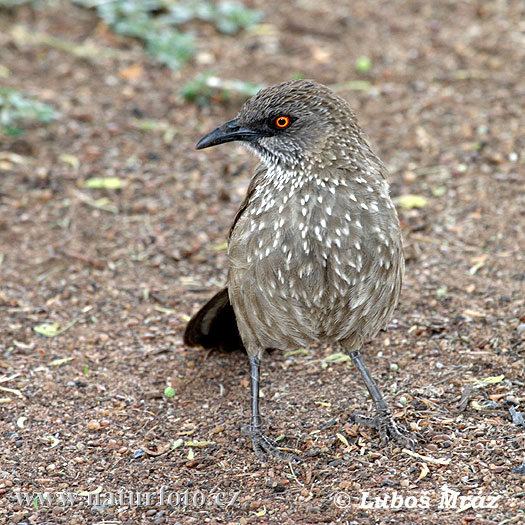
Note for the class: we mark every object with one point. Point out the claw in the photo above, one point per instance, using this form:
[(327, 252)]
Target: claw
[(263, 445), (388, 429)]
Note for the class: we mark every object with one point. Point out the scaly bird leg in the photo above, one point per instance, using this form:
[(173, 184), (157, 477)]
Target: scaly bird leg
[(261, 443), (382, 421)]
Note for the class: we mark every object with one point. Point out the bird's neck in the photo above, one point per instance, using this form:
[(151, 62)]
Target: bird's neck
[(306, 174)]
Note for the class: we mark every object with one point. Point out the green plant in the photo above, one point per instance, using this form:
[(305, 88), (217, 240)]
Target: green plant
[(16, 108), (13, 3), (156, 22), (171, 48), (228, 17), (363, 64), (206, 86)]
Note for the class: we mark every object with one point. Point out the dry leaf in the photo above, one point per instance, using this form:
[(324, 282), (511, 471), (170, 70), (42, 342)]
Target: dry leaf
[(424, 471), (133, 72), (428, 459), (343, 440)]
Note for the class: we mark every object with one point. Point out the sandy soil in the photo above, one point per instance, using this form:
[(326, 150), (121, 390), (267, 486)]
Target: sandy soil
[(85, 411)]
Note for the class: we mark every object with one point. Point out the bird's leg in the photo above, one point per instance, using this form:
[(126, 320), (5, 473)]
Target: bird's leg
[(382, 421), (261, 443)]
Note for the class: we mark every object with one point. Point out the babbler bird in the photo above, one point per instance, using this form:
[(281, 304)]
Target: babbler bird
[(315, 249)]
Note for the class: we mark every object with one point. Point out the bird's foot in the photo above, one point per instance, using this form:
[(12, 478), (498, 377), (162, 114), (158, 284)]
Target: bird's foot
[(263, 445), (388, 429)]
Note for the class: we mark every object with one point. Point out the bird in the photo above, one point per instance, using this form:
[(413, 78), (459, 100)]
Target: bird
[(315, 250)]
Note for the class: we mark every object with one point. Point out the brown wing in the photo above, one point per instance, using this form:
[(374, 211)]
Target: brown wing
[(215, 325), (259, 172)]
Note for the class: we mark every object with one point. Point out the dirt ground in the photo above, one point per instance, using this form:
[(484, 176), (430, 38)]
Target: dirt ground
[(84, 412)]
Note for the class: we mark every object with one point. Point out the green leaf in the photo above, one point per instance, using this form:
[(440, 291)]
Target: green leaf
[(299, 351), (66, 158), (408, 202), (169, 391), (171, 48), (177, 443), (337, 358), (492, 380), (17, 108), (53, 441), (52, 329), (108, 183), (47, 329), (343, 440), (363, 65), (205, 86), (13, 132), (155, 22), (473, 269), (231, 17)]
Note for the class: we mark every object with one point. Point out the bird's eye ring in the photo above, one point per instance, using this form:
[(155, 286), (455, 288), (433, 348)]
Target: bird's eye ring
[(282, 121)]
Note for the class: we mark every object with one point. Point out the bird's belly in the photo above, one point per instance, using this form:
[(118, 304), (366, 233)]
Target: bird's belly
[(304, 289)]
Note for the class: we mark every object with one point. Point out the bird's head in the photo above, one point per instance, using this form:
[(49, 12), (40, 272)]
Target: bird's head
[(300, 121)]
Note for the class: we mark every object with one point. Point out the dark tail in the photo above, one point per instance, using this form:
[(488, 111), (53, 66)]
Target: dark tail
[(214, 325)]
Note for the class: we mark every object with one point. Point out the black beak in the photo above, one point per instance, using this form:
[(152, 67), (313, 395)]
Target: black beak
[(228, 132)]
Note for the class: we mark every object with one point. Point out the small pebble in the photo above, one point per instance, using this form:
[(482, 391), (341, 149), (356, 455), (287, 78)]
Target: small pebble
[(275, 485), (93, 424), (519, 470), (112, 444)]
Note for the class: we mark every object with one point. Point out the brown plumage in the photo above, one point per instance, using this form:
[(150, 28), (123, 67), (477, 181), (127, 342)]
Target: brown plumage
[(214, 325), (315, 249)]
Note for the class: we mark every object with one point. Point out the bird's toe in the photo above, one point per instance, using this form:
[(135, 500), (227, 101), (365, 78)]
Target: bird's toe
[(263, 446), (388, 429)]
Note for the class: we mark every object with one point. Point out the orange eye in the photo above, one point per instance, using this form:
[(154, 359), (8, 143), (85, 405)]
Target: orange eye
[(282, 122)]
